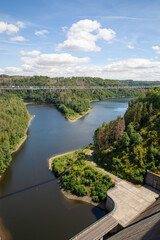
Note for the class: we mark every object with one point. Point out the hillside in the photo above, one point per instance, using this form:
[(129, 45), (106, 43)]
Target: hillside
[(73, 103), (13, 123), (129, 146)]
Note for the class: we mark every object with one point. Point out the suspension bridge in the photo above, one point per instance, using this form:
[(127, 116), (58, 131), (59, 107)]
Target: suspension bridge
[(34, 88)]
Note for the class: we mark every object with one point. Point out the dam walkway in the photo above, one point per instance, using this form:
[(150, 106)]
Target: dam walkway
[(98, 230), (125, 202)]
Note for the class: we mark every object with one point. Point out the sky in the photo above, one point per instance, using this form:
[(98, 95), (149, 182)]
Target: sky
[(111, 39)]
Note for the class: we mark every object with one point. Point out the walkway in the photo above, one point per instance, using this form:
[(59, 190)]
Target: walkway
[(98, 230), (130, 201)]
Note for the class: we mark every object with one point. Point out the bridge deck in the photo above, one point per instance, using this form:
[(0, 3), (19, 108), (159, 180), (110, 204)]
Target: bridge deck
[(97, 230), (73, 87)]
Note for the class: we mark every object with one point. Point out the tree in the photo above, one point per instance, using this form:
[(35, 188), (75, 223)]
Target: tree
[(118, 128), (125, 140), (80, 190)]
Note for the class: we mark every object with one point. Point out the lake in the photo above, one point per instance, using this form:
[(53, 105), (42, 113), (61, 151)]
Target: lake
[(32, 206)]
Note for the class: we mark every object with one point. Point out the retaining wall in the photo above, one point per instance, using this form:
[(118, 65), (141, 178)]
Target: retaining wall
[(153, 180)]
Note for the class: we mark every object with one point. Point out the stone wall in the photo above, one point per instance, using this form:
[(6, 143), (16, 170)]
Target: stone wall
[(153, 180)]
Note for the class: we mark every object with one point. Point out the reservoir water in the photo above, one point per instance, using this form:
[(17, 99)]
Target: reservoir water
[(31, 205)]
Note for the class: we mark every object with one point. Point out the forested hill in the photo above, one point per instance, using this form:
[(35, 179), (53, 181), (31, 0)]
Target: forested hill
[(130, 145), (13, 123), (73, 103), (6, 80)]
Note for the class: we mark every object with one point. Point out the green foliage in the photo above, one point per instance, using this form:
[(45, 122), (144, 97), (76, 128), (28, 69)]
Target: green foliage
[(73, 103), (13, 123), (105, 136), (125, 140), (79, 179), (138, 147), (80, 190)]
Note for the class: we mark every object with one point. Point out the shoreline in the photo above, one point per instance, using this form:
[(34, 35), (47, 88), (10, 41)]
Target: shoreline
[(58, 155), (23, 140), (25, 136), (81, 116), (85, 199)]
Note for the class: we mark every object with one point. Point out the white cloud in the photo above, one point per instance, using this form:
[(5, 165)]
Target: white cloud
[(11, 29), (82, 36), (8, 28), (3, 27), (62, 65), (106, 34), (130, 46), (18, 38), (13, 71), (20, 24), (50, 60), (136, 69), (1, 71), (157, 48), (85, 25), (41, 32), (31, 53)]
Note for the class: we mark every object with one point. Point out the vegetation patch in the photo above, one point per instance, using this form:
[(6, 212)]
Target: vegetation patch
[(77, 177), (130, 146), (73, 103), (14, 120)]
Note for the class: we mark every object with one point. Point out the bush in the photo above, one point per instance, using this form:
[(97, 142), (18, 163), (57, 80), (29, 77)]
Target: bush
[(80, 190), (95, 199)]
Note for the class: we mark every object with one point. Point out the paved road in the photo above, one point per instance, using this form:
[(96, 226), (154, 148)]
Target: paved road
[(97, 230)]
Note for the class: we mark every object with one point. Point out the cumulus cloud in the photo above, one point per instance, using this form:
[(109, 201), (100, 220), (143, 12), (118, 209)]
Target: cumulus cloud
[(31, 53), (41, 32), (106, 34), (8, 28), (82, 36), (62, 65), (51, 60), (157, 48), (18, 39), (13, 71)]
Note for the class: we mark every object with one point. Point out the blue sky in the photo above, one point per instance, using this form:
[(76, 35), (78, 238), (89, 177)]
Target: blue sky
[(116, 39)]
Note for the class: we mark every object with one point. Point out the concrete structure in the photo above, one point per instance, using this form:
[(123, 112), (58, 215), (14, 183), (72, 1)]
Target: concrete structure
[(153, 180), (147, 229), (97, 230), (129, 201), (126, 202)]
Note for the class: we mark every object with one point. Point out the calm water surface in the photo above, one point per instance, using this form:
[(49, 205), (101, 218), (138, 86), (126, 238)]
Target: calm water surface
[(31, 204)]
